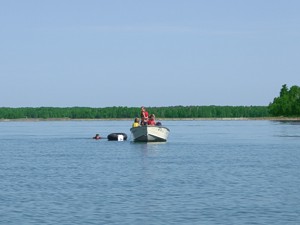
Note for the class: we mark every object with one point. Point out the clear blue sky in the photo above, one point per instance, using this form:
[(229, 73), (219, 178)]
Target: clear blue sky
[(100, 53)]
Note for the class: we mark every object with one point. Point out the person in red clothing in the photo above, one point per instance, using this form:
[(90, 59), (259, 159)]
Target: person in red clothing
[(151, 120), (144, 116)]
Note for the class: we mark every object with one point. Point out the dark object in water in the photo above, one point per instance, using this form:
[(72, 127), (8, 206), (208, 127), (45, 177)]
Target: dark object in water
[(117, 137), (97, 137)]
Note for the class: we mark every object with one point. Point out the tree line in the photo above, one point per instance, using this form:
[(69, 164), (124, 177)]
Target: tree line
[(287, 103), (131, 112)]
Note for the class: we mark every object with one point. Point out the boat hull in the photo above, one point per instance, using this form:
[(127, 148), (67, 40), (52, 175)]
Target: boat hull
[(150, 134)]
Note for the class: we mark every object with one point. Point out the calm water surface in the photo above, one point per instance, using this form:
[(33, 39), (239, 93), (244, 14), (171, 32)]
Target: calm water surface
[(209, 172)]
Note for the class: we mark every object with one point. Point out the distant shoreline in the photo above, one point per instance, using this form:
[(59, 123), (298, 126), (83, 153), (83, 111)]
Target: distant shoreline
[(161, 119)]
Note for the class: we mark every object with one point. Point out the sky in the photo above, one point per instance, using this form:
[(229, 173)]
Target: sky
[(99, 53)]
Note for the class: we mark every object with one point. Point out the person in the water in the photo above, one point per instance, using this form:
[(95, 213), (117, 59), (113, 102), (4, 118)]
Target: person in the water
[(97, 137)]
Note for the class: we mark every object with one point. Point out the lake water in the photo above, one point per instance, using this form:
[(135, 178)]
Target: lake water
[(209, 172)]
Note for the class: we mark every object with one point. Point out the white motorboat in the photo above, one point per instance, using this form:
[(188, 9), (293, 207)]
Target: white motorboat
[(150, 133)]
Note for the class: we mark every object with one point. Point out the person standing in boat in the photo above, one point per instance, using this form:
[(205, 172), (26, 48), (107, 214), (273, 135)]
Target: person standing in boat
[(144, 116)]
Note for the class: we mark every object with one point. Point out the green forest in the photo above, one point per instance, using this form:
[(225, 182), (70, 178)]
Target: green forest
[(287, 104), (131, 112)]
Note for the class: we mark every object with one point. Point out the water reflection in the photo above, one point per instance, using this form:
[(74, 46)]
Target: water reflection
[(150, 148), (288, 128), (288, 122)]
